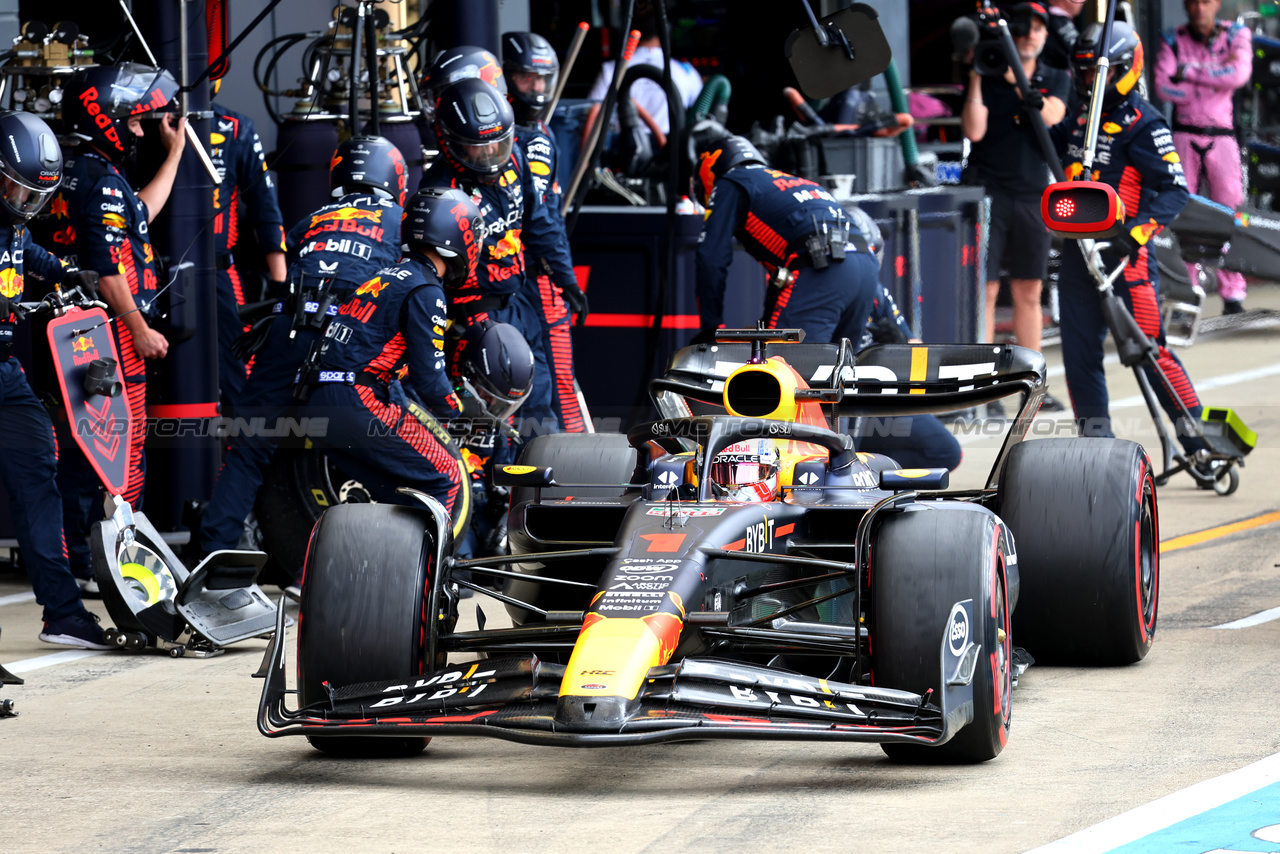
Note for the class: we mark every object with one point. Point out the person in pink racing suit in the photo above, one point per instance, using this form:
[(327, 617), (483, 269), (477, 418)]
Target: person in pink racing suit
[(1199, 66)]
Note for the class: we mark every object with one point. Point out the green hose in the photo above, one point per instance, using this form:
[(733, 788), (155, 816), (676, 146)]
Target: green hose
[(898, 101), (715, 91)]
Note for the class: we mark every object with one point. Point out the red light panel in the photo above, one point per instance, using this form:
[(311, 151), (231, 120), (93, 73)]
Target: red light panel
[(1064, 208)]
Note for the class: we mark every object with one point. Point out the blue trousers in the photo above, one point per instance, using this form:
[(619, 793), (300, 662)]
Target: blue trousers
[(29, 467), (231, 371), (915, 441), (1084, 329), (828, 304), (268, 395)]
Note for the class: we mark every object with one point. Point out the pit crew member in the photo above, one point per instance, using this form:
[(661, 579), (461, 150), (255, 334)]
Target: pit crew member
[(823, 276), (1135, 155), (108, 223), (531, 68), (331, 253), (392, 327), (30, 171), (476, 129)]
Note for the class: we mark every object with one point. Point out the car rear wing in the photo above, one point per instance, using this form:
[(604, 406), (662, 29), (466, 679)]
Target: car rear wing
[(881, 381)]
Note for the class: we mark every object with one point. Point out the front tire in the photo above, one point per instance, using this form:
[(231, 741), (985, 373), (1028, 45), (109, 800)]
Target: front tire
[(923, 561), (363, 610), (1083, 515)]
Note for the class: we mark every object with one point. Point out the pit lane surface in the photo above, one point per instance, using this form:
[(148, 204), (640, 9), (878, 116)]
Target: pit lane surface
[(142, 753)]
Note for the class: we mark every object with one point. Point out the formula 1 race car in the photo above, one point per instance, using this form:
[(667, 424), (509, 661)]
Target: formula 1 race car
[(860, 602)]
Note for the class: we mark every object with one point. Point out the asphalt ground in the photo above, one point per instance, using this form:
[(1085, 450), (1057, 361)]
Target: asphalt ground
[(141, 753)]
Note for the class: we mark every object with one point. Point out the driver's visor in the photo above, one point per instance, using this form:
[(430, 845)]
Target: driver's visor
[(740, 474), (22, 199)]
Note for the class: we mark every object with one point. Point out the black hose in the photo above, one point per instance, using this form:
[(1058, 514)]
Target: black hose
[(675, 149), (371, 60)]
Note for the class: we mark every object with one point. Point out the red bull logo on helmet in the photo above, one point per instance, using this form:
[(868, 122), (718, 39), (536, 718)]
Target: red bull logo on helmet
[(89, 98), (349, 213)]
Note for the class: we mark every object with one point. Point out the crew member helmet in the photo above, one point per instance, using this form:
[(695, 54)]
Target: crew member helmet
[(475, 127), (746, 471), (460, 63), (30, 165), (98, 102), (368, 163), (532, 68), (446, 220), (718, 155), (495, 365), (1124, 54)]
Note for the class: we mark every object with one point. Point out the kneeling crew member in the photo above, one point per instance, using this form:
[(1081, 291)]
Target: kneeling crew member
[(331, 253), (823, 278), (392, 324)]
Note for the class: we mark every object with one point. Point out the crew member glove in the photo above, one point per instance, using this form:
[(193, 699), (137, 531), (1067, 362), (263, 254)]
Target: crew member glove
[(1034, 99), (706, 335), (1123, 248), (85, 280), (471, 406), (577, 300)]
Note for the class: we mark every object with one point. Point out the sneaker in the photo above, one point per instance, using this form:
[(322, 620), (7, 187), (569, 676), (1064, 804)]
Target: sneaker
[(1232, 306), (89, 588), (79, 630), (1049, 403)]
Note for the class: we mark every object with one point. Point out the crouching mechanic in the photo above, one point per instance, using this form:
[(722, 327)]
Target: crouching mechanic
[(531, 68), (1135, 155), (30, 170), (476, 129), (332, 252), (393, 327), (823, 277)]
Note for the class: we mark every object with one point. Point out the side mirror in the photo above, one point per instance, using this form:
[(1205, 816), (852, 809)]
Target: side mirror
[(1080, 209), (902, 479), (532, 476)]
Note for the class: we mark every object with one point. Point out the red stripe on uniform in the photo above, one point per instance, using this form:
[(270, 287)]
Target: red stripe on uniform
[(769, 239)]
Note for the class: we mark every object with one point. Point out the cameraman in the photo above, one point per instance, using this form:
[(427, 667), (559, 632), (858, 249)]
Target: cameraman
[(1008, 162)]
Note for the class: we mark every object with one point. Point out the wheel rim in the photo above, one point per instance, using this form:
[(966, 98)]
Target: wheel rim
[(145, 575), (1004, 651), (1148, 561)]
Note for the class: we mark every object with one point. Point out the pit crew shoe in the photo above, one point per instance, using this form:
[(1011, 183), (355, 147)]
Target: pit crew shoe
[(78, 630), (1049, 403), (1232, 306), (89, 588)]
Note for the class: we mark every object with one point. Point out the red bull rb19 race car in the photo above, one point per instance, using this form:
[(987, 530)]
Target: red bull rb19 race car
[(861, 602)]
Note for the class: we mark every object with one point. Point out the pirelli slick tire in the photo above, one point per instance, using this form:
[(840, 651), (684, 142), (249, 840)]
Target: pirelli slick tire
[(363, 607), (923, 561), (302, 483), (1084, 520)]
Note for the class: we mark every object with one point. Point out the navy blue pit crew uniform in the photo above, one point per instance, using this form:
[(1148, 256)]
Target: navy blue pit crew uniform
[(237, 154), (514, 215), (29, 463), (542, 155), (1136, 156), (391, 327), (98, 213), (773, 214), (340, 246)]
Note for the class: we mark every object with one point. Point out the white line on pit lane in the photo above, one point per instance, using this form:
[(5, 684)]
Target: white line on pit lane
[(1253, 620), (29, 664), (1138, 400), (1171, 809), (17, 598)]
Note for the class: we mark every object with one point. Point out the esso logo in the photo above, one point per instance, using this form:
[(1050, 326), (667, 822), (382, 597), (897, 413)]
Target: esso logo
[(958, 631)]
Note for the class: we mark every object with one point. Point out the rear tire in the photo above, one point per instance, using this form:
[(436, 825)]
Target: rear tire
[(924, 560), (579, 458), (1084, 520), (364, 597)]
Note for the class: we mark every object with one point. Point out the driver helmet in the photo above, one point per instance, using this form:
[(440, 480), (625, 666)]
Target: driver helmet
[(495, 365), (746, 471), (476, 128), (99, 102), (30, 166)]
